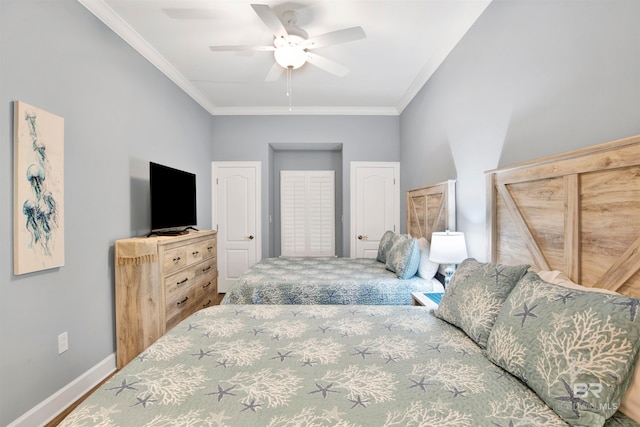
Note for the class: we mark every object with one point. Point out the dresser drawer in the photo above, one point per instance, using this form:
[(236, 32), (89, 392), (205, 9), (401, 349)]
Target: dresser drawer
[(209, 247), (174, 259), (180, 294), (179, 283), (206, 286)]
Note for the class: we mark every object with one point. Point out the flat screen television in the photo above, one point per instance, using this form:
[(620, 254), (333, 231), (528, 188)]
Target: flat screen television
[(173, 199)]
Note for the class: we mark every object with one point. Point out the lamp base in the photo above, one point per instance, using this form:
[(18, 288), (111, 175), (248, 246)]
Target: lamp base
[(448, 272)]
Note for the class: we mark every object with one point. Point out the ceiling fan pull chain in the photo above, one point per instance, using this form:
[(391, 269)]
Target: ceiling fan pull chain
[(289, 87)]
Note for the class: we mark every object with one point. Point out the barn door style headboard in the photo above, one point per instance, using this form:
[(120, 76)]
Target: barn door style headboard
[(431, 208), (578, 212)]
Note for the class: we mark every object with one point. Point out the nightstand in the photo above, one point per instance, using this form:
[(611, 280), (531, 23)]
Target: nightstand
[(427, 299)]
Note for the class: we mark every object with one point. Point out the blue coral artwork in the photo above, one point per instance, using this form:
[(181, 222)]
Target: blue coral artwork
[(39, 189)]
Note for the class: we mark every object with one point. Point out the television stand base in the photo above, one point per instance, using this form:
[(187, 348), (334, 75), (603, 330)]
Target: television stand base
[(171, 232)]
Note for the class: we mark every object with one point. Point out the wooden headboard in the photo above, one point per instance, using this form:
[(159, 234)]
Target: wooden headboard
[(431, 208), (578, 212)]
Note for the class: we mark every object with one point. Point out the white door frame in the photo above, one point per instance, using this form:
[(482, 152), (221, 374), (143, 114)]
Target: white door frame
[(353, 198), (258, 201)]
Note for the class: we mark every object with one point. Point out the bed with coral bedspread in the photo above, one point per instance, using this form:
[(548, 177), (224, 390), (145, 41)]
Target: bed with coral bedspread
[(325, 281), (380, 280), (269, 365)]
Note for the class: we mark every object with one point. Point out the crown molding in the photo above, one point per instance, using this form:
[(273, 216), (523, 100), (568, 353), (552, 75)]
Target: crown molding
[(305, 111), (107, 15)]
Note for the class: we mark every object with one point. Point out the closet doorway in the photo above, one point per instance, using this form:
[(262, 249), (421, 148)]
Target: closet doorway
[(304, 157)]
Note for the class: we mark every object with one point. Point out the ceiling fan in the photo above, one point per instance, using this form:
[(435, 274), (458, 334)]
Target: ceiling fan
[(292, 45)]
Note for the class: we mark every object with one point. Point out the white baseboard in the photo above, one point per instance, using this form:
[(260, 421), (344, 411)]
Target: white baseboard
[(48, 409)]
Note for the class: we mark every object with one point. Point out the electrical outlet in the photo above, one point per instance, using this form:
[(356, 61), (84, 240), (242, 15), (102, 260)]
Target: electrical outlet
[(63, 342)]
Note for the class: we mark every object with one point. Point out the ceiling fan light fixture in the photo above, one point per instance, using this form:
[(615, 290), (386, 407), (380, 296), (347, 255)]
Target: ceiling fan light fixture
[(290, 56)]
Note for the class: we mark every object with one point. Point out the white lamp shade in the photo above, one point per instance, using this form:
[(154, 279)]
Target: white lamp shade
[(448, 247)]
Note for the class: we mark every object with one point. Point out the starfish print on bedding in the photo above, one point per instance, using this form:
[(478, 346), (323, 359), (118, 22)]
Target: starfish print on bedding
[(253, 406), (203, 353), (307, 362), (499, 273), (256, 331), (190, 327), (457, 392), (282, 356), (358, 402), (500, 425), (576, 402), (390, 358), (223, 363), (324, 329), (633, 305), (144, 401), (528, 312), (124, 386), (421, 384), (435, 347), (324, 390), (221, 392), (362, 353), (565, 297)]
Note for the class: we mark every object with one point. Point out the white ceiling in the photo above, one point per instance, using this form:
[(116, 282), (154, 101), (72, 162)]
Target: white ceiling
[(406, 42)]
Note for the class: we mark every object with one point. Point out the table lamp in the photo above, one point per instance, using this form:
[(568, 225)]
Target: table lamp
[(448, 248)]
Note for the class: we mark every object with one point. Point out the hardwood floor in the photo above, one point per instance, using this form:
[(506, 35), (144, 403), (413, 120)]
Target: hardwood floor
[(58, 419)]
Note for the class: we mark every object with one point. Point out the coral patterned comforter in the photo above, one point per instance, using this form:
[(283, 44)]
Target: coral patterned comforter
[(328, 365)]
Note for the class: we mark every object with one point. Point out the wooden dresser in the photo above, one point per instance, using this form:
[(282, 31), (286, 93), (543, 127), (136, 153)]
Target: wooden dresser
[(159, 282)]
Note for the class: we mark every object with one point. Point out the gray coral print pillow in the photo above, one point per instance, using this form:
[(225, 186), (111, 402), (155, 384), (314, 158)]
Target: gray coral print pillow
[(475, 296), (385, 245), (575, 349)]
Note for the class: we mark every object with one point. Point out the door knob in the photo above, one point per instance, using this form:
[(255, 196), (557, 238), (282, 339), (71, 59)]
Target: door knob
[(360, 237), (251, 237)]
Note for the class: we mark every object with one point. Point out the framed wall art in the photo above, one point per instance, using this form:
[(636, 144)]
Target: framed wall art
[(38, 189)]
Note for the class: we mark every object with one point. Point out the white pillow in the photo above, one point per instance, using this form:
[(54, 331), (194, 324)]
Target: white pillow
[(427, 269), (630, 404)]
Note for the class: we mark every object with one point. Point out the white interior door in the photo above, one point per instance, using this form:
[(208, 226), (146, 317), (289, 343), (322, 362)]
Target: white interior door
[(236, 214), (375, 205)]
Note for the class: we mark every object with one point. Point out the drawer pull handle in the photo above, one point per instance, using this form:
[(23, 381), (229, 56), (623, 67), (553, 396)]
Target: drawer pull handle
[(208, 303), (194, 253), (182, 282), (206, 286), (183, 301), (204, 270), (176, 259), (209, 248)]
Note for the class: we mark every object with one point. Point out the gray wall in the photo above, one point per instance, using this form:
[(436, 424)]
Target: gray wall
[(247, 138), (529, 79), (120, 113)]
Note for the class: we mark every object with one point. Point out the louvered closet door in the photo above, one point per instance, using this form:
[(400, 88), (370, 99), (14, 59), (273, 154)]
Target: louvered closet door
[(307, 210)]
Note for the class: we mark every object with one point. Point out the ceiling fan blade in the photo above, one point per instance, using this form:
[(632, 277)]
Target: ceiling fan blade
[(327, 64), (335, 37), (271, 20), (274, 73), (241, 48)]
